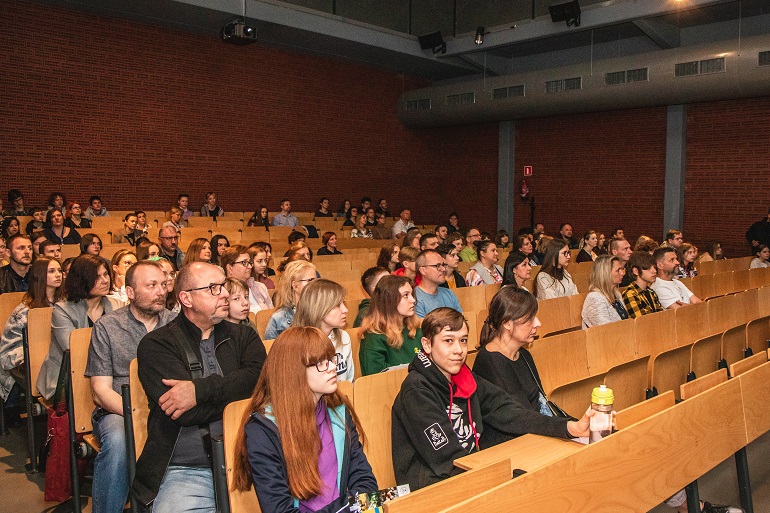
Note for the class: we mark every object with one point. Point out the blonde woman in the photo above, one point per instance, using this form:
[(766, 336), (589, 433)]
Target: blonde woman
[(390, 333), (295, 278), (407, 257), (121, 262), (321, 305), (604, 303), (361, 231)]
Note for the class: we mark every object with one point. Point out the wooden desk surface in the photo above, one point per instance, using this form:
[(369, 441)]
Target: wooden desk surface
[(527, 452)]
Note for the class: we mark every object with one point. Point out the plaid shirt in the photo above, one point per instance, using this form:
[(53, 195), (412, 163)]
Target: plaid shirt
[(641, 302)]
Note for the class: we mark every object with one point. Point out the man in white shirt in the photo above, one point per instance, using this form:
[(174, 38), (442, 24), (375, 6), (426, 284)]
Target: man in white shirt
[(672, 293), (402, 226)]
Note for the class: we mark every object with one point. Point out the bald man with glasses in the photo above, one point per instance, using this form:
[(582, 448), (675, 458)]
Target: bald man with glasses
[(191, 369)]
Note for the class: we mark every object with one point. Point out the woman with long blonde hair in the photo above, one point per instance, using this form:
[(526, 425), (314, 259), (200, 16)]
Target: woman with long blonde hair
[(322, 304), (390, 333), (604, 304), (296, 408), (295, 277)]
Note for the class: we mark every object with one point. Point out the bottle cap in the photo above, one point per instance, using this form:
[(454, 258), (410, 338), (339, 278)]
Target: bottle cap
[(602, 395)]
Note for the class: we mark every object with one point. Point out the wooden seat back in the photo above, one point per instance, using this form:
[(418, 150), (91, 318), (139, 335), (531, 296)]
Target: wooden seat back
[(631, 415), (489, 293), (734, 344), (140, 407), (561, 359), (670, 369), (755, 388), (655, 333), (280, 233), (689, 323), (232, 424), (575, 398), (8, 303), (83, 401), (576, 308), (759, 277), (701, 384), (472, 299), (451, 491), (355, 343), (629, 381), (741, 279), (261, 319), (722, 314), (554, 315), (758, 334), (609, 345), (373, 398), (705, 355), (581, 282), (723, 283), (38, 339)]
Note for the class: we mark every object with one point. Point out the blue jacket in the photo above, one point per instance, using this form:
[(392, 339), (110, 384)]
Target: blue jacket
[(268, 467)]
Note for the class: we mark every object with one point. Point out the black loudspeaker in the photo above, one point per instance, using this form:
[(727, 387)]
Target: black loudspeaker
[(431, 41), (569, 12)]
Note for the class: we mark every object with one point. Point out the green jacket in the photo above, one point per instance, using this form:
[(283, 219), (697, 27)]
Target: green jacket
[(363, 309), (375, 355)]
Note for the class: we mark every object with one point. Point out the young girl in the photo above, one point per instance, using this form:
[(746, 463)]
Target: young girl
[(553, 280), (238, 302), (322, 305), (296, 407), (390, 333), (121, 262), (259, 272), (686, 255)]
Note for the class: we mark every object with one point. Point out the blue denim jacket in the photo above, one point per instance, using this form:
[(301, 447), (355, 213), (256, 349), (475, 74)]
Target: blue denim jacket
[(279, 322)]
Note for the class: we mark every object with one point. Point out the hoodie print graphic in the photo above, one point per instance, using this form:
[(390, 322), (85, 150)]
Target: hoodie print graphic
[(463, 430)]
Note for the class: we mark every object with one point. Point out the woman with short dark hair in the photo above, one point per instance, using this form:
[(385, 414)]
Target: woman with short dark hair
[(56, 230), (86, 287), (329, 240)]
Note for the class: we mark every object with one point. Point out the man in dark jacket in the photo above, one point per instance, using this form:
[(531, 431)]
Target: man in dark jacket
[(759, 233), (444, 411), (191, 369), (13, 277)]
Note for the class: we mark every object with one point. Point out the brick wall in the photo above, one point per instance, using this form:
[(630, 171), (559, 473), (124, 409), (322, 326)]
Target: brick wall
[(595, 171), (141, 117), (728, 171)]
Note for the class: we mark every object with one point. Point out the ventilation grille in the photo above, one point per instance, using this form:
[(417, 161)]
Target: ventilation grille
[(615, 78), (423, 104), (553, 86), (764, 58), (637, 75), (568, 84), (686, 69), (712, 66), (572, 84), (704, 67), (461, 99), (502, 93)]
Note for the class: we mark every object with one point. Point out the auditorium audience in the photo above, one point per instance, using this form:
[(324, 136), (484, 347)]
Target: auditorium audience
[(175, 218), (238, 304), (604, 304), (38, 219), (757, 234), (502, 240), (388, 257), (390, 333), (451, 256), (172, 302), (45, 280), (146, 249), (565, 233), (587, 245), (142, 228), (121, 262), (56, 230), (210, 208), (75, 216), (13, 276), (407, 257), (645, 243), (295, 277), (686, 255), (57, 200), (285, 217), (672, 293), (457, 240), (674, 239), (50, 249), (16, 207), (441, 233), (370, 217), (762, 258), (621, 248), (37, 239), (323, 208), (183, 202), (713, 252), (199, 250), (412, 238), (601, 246), (237, 263), (485, 271), (553, 280), (403, 224), (169, 239), (379, 230), (454, 223), (95, 208), (296, 407), (361, 231), (297, 251), (261, 217), (469, 253), (524, 245), (128, 234), (258, 255), (428, 241), (329, 241), (517, 270), (344, 209), (322, 305), (382, 207), (429, 293), (219, 244), (86, 288), (639, 298), (269, 250), (9, 227), (369, 280), (481, 413)]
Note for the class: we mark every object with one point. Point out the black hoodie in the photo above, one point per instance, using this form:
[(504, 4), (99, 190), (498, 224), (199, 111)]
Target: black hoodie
[(428, 436)]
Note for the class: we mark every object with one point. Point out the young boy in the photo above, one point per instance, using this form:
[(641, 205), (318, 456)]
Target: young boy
[(444, 411)]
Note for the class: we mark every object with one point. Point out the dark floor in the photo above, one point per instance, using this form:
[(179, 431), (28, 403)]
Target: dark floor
[(23, 493)]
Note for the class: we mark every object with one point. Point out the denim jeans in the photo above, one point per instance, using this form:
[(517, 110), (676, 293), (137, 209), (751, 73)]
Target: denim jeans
[(110, 486), (186, 489)]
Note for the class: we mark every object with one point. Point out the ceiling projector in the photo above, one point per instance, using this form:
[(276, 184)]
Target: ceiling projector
[(239, 33)]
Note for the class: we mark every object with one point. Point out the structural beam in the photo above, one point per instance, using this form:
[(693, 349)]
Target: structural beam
[(676, 159), (505, 175), (663, 34)]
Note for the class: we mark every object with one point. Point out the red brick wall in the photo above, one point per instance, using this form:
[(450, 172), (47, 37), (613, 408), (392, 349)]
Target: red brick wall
[(595, 171), (728, 171), (141, 117)]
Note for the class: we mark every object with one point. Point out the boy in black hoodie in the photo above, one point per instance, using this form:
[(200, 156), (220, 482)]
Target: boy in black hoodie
[(443, 409)]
